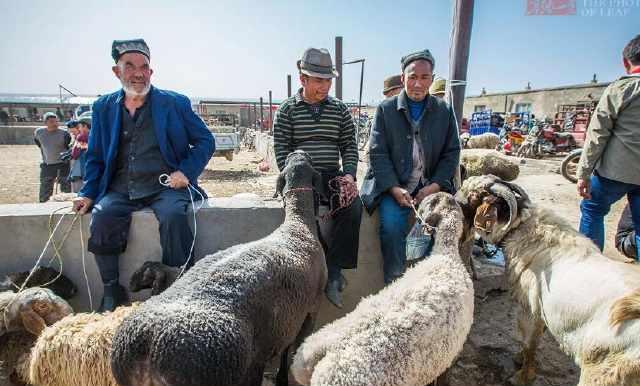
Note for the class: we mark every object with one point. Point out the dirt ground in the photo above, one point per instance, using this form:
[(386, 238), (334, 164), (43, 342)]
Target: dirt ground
[(19, 173), (487, 358)]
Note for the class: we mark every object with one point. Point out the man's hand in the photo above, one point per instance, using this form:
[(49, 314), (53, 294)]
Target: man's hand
[(402, 197), (177, 180), (584, 189), (426, 191), (82, 204)]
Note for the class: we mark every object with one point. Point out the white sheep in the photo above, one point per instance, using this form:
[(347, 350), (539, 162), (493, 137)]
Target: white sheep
[(481, 141), (589, 303), (76, 351), (411, 331), (478, 162)]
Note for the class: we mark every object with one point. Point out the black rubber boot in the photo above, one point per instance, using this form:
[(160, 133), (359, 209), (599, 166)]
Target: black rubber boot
[(114, 295), (332, 291)]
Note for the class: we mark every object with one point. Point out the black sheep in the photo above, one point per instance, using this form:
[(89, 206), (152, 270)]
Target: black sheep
[(236, 310), (62, 286)]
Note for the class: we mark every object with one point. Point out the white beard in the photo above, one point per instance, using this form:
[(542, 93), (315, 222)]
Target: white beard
[(129, 91)]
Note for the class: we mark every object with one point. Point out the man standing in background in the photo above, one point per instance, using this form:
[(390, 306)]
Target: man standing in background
[(52, 141)]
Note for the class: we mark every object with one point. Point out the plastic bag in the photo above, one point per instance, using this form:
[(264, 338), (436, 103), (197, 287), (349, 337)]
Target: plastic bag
[(419, 242)]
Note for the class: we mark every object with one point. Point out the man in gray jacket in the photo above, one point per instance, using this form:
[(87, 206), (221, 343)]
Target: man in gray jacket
[(52, 141), (414, 152), (609, 167)]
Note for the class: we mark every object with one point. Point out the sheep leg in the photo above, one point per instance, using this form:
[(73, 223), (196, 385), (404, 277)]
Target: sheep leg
[(282, 379), (531, 328)]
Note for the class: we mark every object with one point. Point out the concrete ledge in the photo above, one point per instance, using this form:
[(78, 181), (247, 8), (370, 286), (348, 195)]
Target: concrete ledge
[(223, 222), (17, 135)]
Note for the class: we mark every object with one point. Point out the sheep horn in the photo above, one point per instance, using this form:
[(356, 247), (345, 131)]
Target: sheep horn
[(504, 192)]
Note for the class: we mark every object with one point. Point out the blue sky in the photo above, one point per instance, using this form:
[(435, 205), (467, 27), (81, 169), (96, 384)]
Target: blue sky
[(242, 49)]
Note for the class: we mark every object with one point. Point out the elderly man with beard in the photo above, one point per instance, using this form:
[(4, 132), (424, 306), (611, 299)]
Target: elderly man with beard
[(138, 134)]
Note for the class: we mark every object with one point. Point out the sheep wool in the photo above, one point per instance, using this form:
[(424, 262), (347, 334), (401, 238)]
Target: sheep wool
[(76, 350), (478, 162), (410, 332)]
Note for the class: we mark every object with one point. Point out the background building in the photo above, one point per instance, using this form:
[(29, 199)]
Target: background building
[(544, 102)]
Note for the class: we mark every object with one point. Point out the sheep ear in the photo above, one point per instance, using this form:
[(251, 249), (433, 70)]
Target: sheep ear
[(279, 185), (32, 322)]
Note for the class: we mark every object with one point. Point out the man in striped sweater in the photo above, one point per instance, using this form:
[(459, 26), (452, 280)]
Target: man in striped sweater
[(322, 126)]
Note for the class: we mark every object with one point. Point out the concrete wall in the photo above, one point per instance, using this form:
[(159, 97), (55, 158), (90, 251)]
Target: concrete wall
[(544, 102), (17, 135), (222, 223)]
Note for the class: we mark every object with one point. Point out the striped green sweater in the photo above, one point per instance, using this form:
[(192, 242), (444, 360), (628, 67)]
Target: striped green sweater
[(328, 135)]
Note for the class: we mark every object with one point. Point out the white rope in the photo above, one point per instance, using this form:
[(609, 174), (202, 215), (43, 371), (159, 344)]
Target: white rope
[(84, 267), (46, 246), (164, 180)]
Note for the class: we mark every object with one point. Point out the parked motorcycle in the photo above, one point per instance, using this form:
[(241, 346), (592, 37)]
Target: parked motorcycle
[(510, 140), (569, 165)]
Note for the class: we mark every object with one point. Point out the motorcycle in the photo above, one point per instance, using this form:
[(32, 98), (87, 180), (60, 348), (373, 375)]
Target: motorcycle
[(553, 141), (546, 140), (569, 165), (510, 140)]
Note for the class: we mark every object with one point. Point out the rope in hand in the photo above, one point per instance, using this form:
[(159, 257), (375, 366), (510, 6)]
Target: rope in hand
[(428, 229), (343, 191), (164, 180)]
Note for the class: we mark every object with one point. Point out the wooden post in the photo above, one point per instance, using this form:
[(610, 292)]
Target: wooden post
[(270, 114), (339, 67), (289, 86), (459, 59)]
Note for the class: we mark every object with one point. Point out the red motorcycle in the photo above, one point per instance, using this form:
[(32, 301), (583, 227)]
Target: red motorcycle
[(553, 141)]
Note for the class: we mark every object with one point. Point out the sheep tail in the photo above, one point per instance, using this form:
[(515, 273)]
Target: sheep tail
[(625, 308)]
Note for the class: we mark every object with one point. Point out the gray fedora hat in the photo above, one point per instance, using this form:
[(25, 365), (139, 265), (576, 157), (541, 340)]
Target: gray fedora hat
[(317, 62)]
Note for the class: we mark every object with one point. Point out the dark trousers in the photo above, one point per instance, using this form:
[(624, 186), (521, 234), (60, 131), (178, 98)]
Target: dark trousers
[(340, 236), (111, 218), (49, 174)]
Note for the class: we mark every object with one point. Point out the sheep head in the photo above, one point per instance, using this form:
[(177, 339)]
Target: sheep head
[(492, 206), (152, 275), (34, 309), (441, 212), (299, 173)]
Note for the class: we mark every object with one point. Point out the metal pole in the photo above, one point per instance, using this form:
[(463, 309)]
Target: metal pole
[(261, 115), (459, 59), (270, 114), (289, 86), (462, 24), (339, 67), (360, 98)]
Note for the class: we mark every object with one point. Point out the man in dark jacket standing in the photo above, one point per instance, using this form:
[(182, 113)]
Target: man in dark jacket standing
[(414, 152), (138, 134)]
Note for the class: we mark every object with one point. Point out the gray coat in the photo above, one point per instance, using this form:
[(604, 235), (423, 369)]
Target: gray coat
[(391, 144)]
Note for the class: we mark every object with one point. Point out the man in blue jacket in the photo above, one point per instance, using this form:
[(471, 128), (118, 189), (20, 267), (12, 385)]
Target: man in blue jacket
[(414, 152), (138, 134)]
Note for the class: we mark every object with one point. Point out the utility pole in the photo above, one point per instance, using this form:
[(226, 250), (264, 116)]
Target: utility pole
[(459, 54), (339, 67), (261, 116), (459, 59), (270, 114), (289, 86)]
